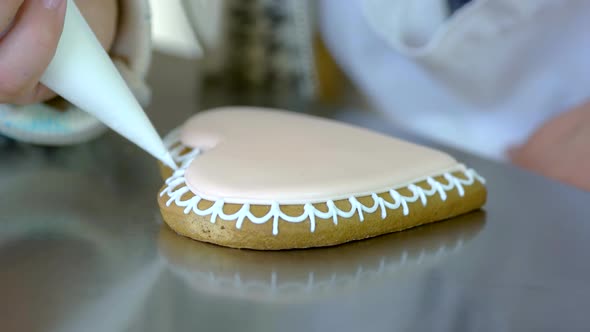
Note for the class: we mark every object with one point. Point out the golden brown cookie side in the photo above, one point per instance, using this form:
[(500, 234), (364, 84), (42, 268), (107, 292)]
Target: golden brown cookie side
[(298, 235)]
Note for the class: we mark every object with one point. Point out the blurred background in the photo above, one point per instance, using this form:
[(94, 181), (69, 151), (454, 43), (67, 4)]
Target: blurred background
[(455, 72), (259, 52)]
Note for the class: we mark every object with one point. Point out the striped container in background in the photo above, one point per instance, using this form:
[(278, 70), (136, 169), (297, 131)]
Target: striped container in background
[(259, 52)]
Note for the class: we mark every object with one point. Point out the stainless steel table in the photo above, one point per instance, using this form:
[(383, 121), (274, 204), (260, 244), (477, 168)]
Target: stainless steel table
[(83, 248)]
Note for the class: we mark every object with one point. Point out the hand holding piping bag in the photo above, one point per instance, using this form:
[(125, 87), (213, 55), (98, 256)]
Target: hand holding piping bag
[(82, 73), (30, 32)]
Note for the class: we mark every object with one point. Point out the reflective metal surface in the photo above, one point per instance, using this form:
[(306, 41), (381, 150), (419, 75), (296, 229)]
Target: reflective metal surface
[(83, 248)]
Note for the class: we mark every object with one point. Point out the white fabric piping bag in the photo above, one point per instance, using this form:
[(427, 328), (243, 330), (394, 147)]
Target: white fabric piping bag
[(80, 62)]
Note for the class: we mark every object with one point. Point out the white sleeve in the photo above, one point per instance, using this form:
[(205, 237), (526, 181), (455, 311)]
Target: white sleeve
[(405, 24), (482, 79), (483, 52)]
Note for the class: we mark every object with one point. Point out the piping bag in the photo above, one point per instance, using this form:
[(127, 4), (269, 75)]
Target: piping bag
[(80, 62)]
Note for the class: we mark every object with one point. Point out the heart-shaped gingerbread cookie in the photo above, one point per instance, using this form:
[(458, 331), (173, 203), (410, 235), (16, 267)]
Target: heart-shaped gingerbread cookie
[(270, 179)]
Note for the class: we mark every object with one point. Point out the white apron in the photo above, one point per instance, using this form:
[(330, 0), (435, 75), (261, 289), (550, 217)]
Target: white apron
[(481, 80)]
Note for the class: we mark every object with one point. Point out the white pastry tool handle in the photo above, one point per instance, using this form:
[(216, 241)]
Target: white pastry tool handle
[(83, 73)]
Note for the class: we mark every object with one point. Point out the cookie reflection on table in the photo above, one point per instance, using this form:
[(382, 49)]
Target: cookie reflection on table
[(300, 274)]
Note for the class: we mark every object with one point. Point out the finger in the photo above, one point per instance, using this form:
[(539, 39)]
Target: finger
[(27, 50), (37, 94), (43, 94), (102, 17), (8, 10)]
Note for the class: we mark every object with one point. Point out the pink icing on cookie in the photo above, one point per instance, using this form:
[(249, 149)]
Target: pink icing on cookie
[(256, 155)]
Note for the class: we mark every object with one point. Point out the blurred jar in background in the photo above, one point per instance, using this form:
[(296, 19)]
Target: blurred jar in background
[(262, 53)]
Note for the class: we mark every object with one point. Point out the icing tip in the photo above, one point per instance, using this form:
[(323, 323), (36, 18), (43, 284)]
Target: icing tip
[(168, 161)]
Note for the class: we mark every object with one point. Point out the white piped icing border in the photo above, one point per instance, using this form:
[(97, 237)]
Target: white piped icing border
[(176, 188)]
